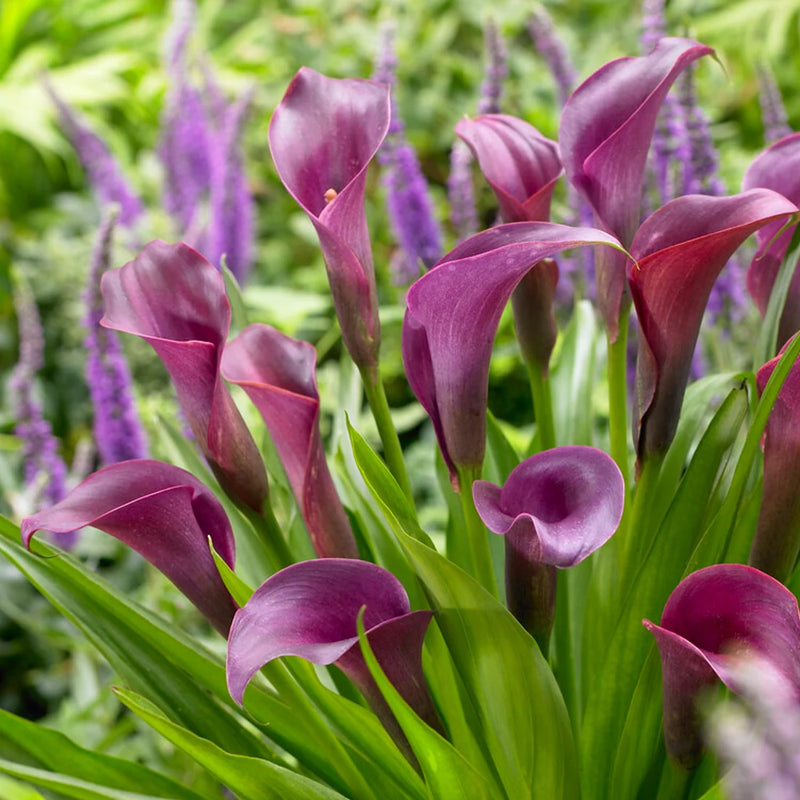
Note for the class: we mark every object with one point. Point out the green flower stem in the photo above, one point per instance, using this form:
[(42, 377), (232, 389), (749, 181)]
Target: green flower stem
[(618, 395), (270, 536), (566, 667), (542, 406), (393, 453), (476, 535)]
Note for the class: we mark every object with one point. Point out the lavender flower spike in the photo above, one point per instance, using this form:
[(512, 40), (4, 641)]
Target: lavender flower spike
[(408, 200), (162, 512), (496, 70), (713, 620), (773, 112), (102, 170), (322, 136), (310, 609), (278, 374), (175, 300), (554, 52), (556, 508), (44, 469), (117, 432)]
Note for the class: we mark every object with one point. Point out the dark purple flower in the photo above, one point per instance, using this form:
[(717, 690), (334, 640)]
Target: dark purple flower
[(102, 170), (44, 470), (555, 509), (452, 317), (680, 250), (604, 137), (162, 512), (776, 168), (520, 164), (323, 135), (278, 374), (776, 543), (175, 300), (714, 619), (310, 609), (117, 432)]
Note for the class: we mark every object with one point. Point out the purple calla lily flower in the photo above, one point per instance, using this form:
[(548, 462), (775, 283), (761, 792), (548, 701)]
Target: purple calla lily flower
[(680, 250), (776, 543), (174, 299), (322, 136), (715, 618), (556, 508), (310, 609), (777, 168), (520, 164), (278, 374), (605, 134), (162, 512), (452, 317)]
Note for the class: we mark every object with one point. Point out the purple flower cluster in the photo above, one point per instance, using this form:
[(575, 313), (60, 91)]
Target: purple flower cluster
[(205, 187), (773, 112), (496, 70), (103, 172), (44, 470), (117, 432), (554, 52), (407, 197)]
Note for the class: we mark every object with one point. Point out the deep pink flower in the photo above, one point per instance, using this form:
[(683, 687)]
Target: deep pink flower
[(278, 374), (715, 618), (175, 299), (162, 512), (322, 136)]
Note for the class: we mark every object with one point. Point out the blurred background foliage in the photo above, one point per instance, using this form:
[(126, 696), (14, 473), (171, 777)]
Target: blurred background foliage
[(105, 57)]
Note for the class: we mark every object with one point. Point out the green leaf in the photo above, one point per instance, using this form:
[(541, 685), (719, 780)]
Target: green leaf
[(446, 771), (52, 751), (249, 778), (13, 790), (239, 316)]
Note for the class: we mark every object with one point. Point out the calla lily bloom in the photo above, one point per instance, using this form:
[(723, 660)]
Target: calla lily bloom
[(278, 374), (175, 300), (310, 609), (162, 512), (520, 164), (451, 319), (715, 618), (777, 168), (777, 539), (556, 508), (680, 250), (322, 136), (605, 134)]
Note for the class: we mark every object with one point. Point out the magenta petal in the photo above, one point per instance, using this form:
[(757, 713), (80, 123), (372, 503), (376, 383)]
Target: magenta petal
[(451, 320), (777, 539), (173, 298), (310, 609), (162, 512), (605, 133), (777, 168), (322, 136), (520, 164), (278, 374), (563, 504), (680, 250), (715, 617)]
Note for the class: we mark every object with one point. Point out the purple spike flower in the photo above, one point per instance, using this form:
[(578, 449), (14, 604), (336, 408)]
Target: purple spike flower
[(278, 374), (496, 70), (44, 469), (776, 543), (460, 191), (162, 512), (322, 136), (310, 609), (556, 508), (714, 619), (773, 112), (680, 250), (175, 300), (554, 52), (117, 432), (102, 170), (408, 199), (451, 319), (604, 136)]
